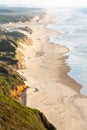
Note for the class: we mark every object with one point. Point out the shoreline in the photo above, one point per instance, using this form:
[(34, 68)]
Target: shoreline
[(78, 86), (51, 90)]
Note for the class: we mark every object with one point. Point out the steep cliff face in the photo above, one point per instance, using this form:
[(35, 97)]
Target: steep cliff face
[(26, 40), (19, 54), (11, 54), (16, 92), (14, 116), (10, 42), (10, 81)]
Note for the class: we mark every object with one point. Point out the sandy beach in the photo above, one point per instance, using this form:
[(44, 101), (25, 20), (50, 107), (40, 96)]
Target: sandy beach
[(50, 89)]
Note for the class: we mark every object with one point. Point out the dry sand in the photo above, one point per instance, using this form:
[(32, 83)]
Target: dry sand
[(51, 90)]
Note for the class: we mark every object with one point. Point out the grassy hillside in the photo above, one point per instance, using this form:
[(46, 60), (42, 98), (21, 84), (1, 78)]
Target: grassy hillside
[(14, 116)]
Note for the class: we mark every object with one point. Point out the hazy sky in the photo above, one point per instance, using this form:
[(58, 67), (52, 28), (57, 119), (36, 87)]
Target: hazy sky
[(47, 3)]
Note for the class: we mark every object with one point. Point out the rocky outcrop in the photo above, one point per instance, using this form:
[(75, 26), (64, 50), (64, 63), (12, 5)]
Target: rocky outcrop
[(16, 92)]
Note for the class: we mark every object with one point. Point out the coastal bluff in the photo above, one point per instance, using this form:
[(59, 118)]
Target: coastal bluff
[(14, 115)]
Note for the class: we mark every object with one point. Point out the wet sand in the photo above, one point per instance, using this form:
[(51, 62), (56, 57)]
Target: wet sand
[(50, 89)]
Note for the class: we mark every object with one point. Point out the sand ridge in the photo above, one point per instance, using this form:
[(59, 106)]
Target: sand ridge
[(51, 90)]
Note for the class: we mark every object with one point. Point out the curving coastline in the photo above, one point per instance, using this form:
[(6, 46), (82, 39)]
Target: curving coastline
[(51, 90)]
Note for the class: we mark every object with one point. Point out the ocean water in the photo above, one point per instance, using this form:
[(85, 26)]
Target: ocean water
[(72, 25)]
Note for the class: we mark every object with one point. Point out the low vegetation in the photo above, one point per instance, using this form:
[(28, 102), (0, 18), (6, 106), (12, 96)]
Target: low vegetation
[(13, 115), (9, 41), (9, 79), (19, 14), (27, 29)]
